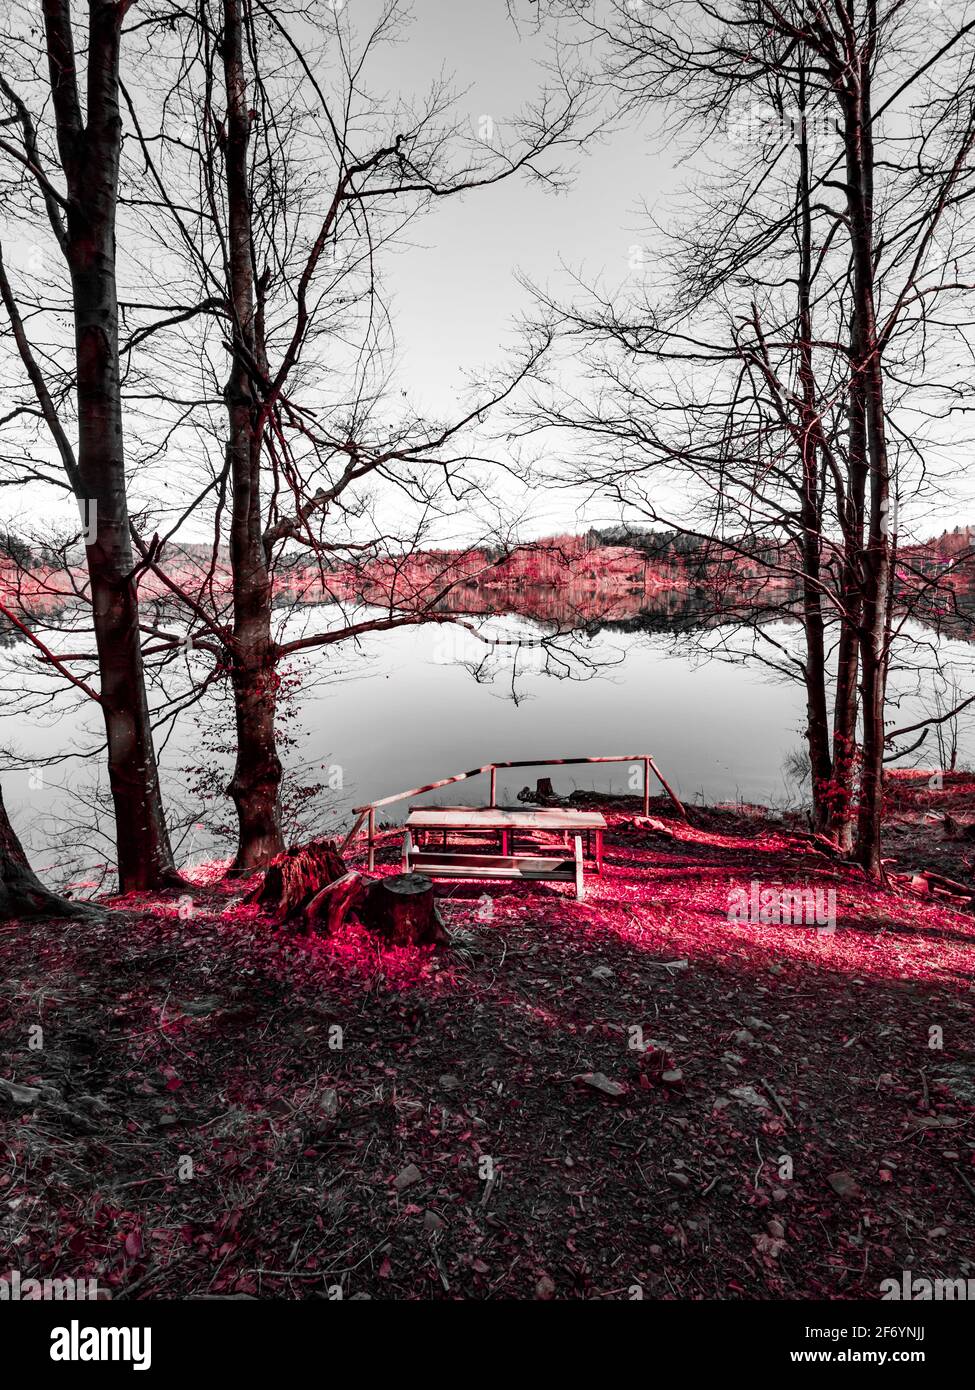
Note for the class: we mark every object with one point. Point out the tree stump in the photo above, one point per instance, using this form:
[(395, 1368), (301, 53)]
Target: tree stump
[(543, 795), (292, 879), (402, 910)]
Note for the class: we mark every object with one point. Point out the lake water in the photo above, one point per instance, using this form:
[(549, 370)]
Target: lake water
[(403, 708)]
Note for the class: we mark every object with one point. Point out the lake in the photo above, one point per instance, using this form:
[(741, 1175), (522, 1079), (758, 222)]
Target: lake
[(408, 707)]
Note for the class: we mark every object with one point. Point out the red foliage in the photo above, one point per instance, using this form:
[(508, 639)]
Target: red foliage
[(490, 1122)]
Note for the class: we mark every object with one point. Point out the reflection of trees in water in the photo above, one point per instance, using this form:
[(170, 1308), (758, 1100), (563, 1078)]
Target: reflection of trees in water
[(586, 605), (949, 614), (580, 605)]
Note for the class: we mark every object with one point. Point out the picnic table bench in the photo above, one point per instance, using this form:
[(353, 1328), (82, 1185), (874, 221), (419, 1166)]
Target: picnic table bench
[(510, 824)]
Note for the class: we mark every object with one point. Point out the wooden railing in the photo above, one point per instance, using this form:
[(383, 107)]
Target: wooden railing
[(367, 814)]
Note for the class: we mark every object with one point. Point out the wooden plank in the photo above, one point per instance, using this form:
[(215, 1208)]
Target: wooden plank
[(496, 818), (580, 883), (509, 810), (474, 861), (352, 833), (453, 870), (678, 804)]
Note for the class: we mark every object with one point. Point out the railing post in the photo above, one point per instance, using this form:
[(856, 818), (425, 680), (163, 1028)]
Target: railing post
[(646, 786), (678, 804), (494, 785), (372, 834)]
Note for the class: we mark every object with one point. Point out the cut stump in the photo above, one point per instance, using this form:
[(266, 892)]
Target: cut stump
[(294, 878), (403, 910)]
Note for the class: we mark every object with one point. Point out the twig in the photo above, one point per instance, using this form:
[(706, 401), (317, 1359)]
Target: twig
[(781, 1108)]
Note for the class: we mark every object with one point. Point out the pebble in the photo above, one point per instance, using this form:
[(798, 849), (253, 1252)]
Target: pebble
[(410, 1175)]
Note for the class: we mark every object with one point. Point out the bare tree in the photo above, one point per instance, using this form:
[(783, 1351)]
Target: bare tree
[(285, 243), (779, 425), (73, 173)]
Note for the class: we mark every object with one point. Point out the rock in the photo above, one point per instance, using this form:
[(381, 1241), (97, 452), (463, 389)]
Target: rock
[(199, 1008), (545, 1288), (776, 1229), (753, 1022), (410, 1175), (95, 1103), (433, 1222), (844, 1185), (330, 1103), (602, 972), (742, 1037), (769, 1245), (449, 1083), (749, 1096), (20, 1095), (673, 1077), (677, 1179), (600, 1082)]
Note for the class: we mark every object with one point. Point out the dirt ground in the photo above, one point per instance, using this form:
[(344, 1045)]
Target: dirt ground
[(648, 1094)]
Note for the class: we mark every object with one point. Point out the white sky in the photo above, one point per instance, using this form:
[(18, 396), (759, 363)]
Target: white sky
[(453, 291)]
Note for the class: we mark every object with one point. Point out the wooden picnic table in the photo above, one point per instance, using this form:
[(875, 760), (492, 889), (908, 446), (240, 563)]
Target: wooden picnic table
[(509, 821)]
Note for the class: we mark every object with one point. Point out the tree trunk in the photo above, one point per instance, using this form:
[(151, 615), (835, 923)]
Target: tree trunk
[(89, 153), (22, 894), (814, 667), (876, 553), (845, 706), (256, 783)]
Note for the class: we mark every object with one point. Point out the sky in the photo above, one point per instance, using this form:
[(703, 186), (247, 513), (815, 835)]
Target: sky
[(455, 292), (454, 284)]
